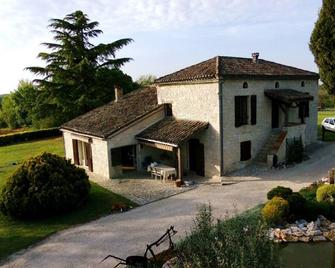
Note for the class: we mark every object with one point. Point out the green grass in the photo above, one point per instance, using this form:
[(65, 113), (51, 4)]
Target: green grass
[(16, 235), (329, 136)]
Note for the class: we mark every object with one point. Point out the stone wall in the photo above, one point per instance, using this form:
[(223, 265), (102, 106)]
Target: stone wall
[(197, 102), (99, 151), (259, 133), (127, 137)]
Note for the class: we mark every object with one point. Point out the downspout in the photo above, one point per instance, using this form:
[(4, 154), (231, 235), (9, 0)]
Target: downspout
[(221, 126)]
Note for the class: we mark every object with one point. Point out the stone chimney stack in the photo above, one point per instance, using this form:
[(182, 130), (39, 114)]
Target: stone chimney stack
[(255, 57), (118, 93)]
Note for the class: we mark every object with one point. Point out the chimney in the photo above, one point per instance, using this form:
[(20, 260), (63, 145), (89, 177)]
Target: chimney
[(118, 93), (255, 57)]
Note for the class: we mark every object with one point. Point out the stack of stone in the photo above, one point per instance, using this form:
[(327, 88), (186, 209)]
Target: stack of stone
[(314, 231)]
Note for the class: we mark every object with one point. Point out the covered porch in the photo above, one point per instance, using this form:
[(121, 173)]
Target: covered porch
[(172, 142), (289, 110)]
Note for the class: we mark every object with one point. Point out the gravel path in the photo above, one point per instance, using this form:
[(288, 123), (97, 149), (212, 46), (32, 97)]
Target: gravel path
[(139, 190), (128, 233)]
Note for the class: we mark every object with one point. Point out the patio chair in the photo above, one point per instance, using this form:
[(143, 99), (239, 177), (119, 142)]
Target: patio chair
[(156, 174)]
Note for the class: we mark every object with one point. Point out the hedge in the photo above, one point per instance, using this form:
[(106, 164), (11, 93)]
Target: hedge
[(30, 135)]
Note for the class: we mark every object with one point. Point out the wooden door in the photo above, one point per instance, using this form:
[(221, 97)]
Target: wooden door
[(275, 114), (88, 156), (196, 157), (200, 160)]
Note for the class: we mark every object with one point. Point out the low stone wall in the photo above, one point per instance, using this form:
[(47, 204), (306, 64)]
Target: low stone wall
[(302, 231)]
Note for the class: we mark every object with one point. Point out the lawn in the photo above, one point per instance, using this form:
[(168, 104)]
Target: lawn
[(16, 235), (329, 136)]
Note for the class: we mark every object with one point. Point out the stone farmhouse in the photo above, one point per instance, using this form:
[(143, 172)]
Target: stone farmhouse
[(208, 119)]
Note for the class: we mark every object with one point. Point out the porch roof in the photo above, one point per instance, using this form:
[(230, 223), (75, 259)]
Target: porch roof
[(172, 131), (287, 96)]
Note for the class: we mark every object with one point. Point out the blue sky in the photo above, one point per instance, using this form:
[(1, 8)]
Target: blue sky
[(169, 35)]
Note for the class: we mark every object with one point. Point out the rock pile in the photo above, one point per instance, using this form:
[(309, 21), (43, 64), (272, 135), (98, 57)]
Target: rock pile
[(303, 231)]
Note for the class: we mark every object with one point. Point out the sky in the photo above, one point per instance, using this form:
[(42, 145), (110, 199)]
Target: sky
[(168, 35)]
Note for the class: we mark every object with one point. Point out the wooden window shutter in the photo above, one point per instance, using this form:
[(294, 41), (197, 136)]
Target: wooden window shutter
[(253, 109), (237, 112), (245, 150), (75, 152), (88, 151)]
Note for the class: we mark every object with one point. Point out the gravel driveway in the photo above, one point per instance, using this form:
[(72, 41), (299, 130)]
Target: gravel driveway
[(128, 233)]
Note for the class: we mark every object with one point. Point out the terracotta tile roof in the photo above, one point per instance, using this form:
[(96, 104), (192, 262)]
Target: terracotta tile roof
[(172, 131), (109, 118), (235, 67), (287, 95)]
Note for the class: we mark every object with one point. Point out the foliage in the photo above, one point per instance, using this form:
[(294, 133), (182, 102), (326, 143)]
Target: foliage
[(309, 192), (295, 151), (276, 210), (146, 80), (18, 234), (297, 205), (326, 193), (279, 191), (78, 75), (44, 185), (325, 100), (238, 242), (322, 44), (29, 135)]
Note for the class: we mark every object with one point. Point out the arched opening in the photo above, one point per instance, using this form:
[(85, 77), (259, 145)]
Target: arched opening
[(245, 85), (277, 84)]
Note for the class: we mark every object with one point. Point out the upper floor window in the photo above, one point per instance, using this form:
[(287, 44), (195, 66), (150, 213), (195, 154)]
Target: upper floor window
[(302, 83), (241, 110), (245, 85), (277, 84)]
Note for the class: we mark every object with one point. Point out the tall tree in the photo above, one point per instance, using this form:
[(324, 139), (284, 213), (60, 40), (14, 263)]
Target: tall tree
[(78, 75), (322, 44), (146, 80)]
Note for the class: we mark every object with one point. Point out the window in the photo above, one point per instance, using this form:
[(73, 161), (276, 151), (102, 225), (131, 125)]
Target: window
[(327, 121), (331, 122), (245, 85), (241, 110), (277, 85), (302, 83), (304, 109), (245, 150), (116, 157), (168, 109), (253, 100)]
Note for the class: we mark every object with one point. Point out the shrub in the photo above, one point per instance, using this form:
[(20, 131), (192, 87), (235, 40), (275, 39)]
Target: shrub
[(279, 191), (297, 205), (29, 135), (326, 193), (45, 185), (295, 151), (276, 210), (241, 241), (309, 192)]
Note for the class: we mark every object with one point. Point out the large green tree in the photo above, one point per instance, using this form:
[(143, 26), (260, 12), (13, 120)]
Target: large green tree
[(322, 44), (78, 75)]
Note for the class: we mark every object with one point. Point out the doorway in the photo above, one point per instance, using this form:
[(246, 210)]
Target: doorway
[(275, 114), (196, 157)]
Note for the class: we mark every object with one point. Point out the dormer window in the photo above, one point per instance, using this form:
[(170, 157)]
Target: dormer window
[(277, 84), (302, 83), (245, 85)]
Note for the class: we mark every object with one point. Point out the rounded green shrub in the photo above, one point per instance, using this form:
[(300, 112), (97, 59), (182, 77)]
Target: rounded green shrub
[(276, 210), (279, 191), (297, 205), (309, 192), (44, 185), (326, 193)]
